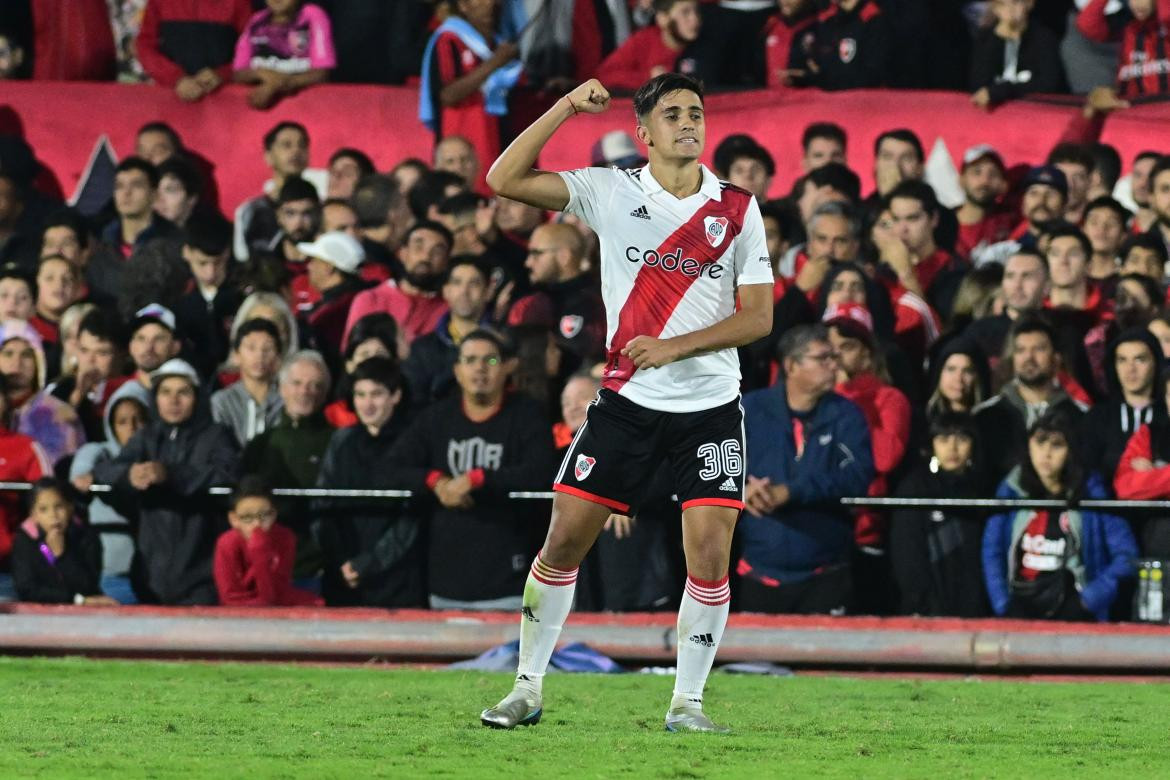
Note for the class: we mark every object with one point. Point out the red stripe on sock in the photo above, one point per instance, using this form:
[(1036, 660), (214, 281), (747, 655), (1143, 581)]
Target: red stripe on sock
[(707, 584)]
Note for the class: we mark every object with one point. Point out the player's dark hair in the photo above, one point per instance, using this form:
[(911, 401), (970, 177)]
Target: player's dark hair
[(68, 218), (139, 164), (658, 87), (270, 136), (250, 486), (915, 190), (258, 325), (903, 135), (361, 159), (828, 130)]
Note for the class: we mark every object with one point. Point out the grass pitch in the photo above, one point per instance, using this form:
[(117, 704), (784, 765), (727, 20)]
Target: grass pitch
[(78, 718)]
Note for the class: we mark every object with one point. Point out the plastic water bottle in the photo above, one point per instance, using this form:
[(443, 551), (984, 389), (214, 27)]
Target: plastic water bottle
[(1143, 592), (1155, 615)]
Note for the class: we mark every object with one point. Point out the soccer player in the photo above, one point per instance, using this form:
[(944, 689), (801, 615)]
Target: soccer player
[(678, 249)]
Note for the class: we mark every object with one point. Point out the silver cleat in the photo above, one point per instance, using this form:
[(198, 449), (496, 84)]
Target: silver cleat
[(692, 719), (514, 710)]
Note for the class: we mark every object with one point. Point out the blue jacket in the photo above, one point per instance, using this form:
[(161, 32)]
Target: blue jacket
[(812, 530), (1105, 549)]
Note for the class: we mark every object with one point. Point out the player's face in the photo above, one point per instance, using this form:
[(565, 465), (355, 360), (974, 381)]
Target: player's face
[(676, 127)]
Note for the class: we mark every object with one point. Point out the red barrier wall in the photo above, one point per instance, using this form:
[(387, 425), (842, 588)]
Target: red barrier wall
[(63, 121)]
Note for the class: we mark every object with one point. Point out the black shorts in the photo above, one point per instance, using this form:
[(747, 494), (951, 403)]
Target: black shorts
[(614, 456)]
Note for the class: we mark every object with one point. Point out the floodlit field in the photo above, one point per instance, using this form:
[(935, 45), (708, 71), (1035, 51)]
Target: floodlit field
[(78, 718)]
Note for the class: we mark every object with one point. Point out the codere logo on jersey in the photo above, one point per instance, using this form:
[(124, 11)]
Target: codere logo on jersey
[(674, 261)]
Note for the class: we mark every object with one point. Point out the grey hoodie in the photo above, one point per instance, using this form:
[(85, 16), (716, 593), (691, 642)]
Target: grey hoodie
[(117, 538)]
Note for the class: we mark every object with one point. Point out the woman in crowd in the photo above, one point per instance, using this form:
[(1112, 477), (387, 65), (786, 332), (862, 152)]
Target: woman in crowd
[(960, 379), (1048, 563)]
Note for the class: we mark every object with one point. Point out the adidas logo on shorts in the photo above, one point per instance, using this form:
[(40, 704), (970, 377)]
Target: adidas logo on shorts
[(729, 485), (640, 213)]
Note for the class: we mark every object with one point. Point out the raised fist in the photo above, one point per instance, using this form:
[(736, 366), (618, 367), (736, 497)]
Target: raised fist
[(590, 97)]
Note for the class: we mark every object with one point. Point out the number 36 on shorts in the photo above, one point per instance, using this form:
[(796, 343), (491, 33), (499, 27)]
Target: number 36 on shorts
[(724, 459)]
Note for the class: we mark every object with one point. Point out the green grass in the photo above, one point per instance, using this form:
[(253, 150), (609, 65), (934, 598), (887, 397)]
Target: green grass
[(78, 718)]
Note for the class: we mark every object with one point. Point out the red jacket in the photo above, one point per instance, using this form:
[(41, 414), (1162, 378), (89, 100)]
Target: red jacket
[(1144, 68), (1131, 484), (779, 35), (887, 412), (629, 66), (257, 572), (175, 28), (21, 460), (73, 41)]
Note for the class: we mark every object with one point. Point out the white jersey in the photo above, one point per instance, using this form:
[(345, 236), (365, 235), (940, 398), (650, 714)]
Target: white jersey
[(670, 266)]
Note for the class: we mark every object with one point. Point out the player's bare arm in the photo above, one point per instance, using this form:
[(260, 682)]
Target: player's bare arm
[(512, 174), (753, 321)]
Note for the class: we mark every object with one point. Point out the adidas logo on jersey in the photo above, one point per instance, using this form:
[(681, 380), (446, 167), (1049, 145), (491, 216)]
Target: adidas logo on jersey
[(640, 213), (729, 485), (706, 640)]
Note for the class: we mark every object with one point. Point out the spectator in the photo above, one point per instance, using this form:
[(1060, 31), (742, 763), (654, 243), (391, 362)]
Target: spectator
[(1068, 255), (94, 380), (822, 143), (1160, 199), (346, 168), (959, 379), (17, 294), (56, 559), (850, 48), (152, 341), (12, 205), (752, 168), (470, 450), (1139, 188), (65, 233), (286, 152), (1024, 288), (467, 75), (254, 559), (616, 148), (298, 216), (24, 461), (125, 415), (252, 405), (33, 410), (936, 553), (1014, 57), (456, 155), (1031, 392), (1076, 163), (338, 216), (655, 49), (1106, 170), (374, 335), (289, 454), (782, 36), (70, 325), (807, 447), (982, 219), (1105, 226), (1144, 254), (211, 300), (1055, 565), (383, 218), (428, 369), (898, 156), (11, 56), (565, 299), (58, 288), (1144, 58), (373, 550), (188, 46), (1132, 366), (165, 471), (135, 191), (179, 191), (333, 263), (413, 299), (282, 50)]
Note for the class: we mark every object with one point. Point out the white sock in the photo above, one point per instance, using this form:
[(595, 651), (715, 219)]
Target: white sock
[(548, 597), (701, 619)]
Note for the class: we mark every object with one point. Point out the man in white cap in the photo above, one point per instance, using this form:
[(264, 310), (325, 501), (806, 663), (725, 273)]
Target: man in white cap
[(982, 219), (334, 259), (167, 468)]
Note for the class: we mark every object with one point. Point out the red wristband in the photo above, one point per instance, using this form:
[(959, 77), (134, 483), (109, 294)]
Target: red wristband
[(570, 102)]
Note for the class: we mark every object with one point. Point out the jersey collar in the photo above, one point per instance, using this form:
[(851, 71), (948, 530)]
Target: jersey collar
[(710, 186)]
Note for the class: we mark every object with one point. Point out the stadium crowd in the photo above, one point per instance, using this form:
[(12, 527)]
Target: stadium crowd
[(356, 329)]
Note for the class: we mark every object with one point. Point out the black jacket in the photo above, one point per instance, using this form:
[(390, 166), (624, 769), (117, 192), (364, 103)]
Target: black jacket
[(178, 521), (206, 325), (1038, 65), (77, 571), (1003, 424), (572, 309), (483, 552), (382, 541), (935, 554), (852, 49)]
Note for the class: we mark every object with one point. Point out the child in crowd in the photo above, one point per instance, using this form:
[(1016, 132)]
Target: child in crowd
[(1062, 565), (55, 558), (254, 560)]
